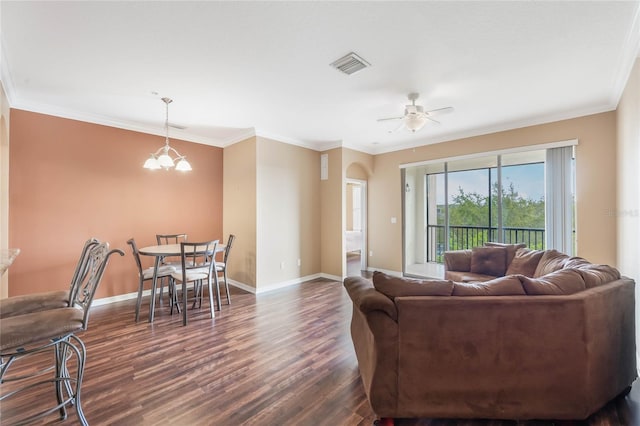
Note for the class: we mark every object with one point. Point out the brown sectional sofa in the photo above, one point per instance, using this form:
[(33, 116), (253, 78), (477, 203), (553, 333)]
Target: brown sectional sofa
[(557, 344)]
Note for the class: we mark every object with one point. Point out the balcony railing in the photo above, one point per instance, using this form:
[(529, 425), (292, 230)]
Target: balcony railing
[(467, 237)]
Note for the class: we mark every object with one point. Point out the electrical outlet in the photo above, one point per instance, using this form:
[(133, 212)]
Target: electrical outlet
[(370, 253), (282, 265), (299, 263)]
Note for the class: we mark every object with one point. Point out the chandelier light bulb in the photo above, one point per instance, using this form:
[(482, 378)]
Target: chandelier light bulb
[(165, 161), (152, 163), (183, 165)]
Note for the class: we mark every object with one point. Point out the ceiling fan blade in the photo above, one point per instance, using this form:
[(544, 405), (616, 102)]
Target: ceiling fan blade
[(400, 127), (440, 110), (431, 119), (390, 118)]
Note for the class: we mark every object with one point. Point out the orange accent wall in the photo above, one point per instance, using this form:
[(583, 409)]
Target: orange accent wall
[(71, 180)]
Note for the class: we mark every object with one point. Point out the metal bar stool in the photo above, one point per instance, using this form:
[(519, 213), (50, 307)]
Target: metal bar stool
[(54, 329)]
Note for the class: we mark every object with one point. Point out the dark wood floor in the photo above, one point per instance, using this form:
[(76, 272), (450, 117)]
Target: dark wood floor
[(281, 358)]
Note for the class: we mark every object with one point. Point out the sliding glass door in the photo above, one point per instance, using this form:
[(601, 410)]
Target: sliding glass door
[(463, 203)]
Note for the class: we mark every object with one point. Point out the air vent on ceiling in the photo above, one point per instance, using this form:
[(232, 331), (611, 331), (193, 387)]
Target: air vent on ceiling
[(350, 64)]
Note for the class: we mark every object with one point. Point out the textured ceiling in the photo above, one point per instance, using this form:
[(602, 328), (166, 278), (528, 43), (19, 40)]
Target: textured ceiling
[(235, 69)]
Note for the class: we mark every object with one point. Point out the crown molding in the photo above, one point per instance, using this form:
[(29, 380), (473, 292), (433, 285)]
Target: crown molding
[(630, 52), (285, 139), (106, 121), (360, 148), (249, 133), (326, 146), (5, 74)]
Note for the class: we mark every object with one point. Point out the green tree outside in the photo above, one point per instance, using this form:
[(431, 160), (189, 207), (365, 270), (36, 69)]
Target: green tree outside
[(519, 216)]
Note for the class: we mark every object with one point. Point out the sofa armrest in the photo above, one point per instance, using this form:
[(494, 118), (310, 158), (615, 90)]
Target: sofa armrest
[(457, 260), (374, 331), (610, 332), (367, 299)]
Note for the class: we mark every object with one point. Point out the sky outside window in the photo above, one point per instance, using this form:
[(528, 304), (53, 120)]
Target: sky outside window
[(527, 179)]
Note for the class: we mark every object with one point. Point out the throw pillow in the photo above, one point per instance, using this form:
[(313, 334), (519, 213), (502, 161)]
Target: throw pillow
[(511, 249), (524, 262), (503, 286), (489, 261), (400, 286), (551, 261), (564, 281)]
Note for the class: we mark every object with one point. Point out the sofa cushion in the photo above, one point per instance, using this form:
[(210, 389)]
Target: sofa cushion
[(457, 260), (524, 262), (551, 261), (511, 249), (595, 275), (399, 286), (575, 262), (564, 281), (489, 261), (502, 286)]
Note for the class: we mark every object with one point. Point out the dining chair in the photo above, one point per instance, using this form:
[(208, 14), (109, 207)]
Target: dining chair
[(163, 239), (36, 333), (35, 302), (146, 274), (222, 267), (197, 265)]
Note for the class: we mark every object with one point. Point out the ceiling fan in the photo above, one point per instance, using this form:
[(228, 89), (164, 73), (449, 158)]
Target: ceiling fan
[(415, 117)]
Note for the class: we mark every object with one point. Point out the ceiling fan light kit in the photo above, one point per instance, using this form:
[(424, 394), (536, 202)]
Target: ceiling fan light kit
[(415, 122)]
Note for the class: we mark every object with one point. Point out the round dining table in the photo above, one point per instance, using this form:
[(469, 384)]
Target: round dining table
[(168, 250)]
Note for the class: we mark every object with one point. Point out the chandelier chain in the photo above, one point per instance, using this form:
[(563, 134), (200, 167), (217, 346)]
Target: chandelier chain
[(166, 101)]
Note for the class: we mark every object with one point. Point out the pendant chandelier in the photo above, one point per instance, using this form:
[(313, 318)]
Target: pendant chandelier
[(161, 159)]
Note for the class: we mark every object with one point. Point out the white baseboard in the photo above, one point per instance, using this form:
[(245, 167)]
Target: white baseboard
[(331, 277), (119, 298), (242, 286), (127, 296), (282, 284)]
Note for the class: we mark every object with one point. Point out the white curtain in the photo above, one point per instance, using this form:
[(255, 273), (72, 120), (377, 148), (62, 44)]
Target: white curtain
[(559, 199)]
